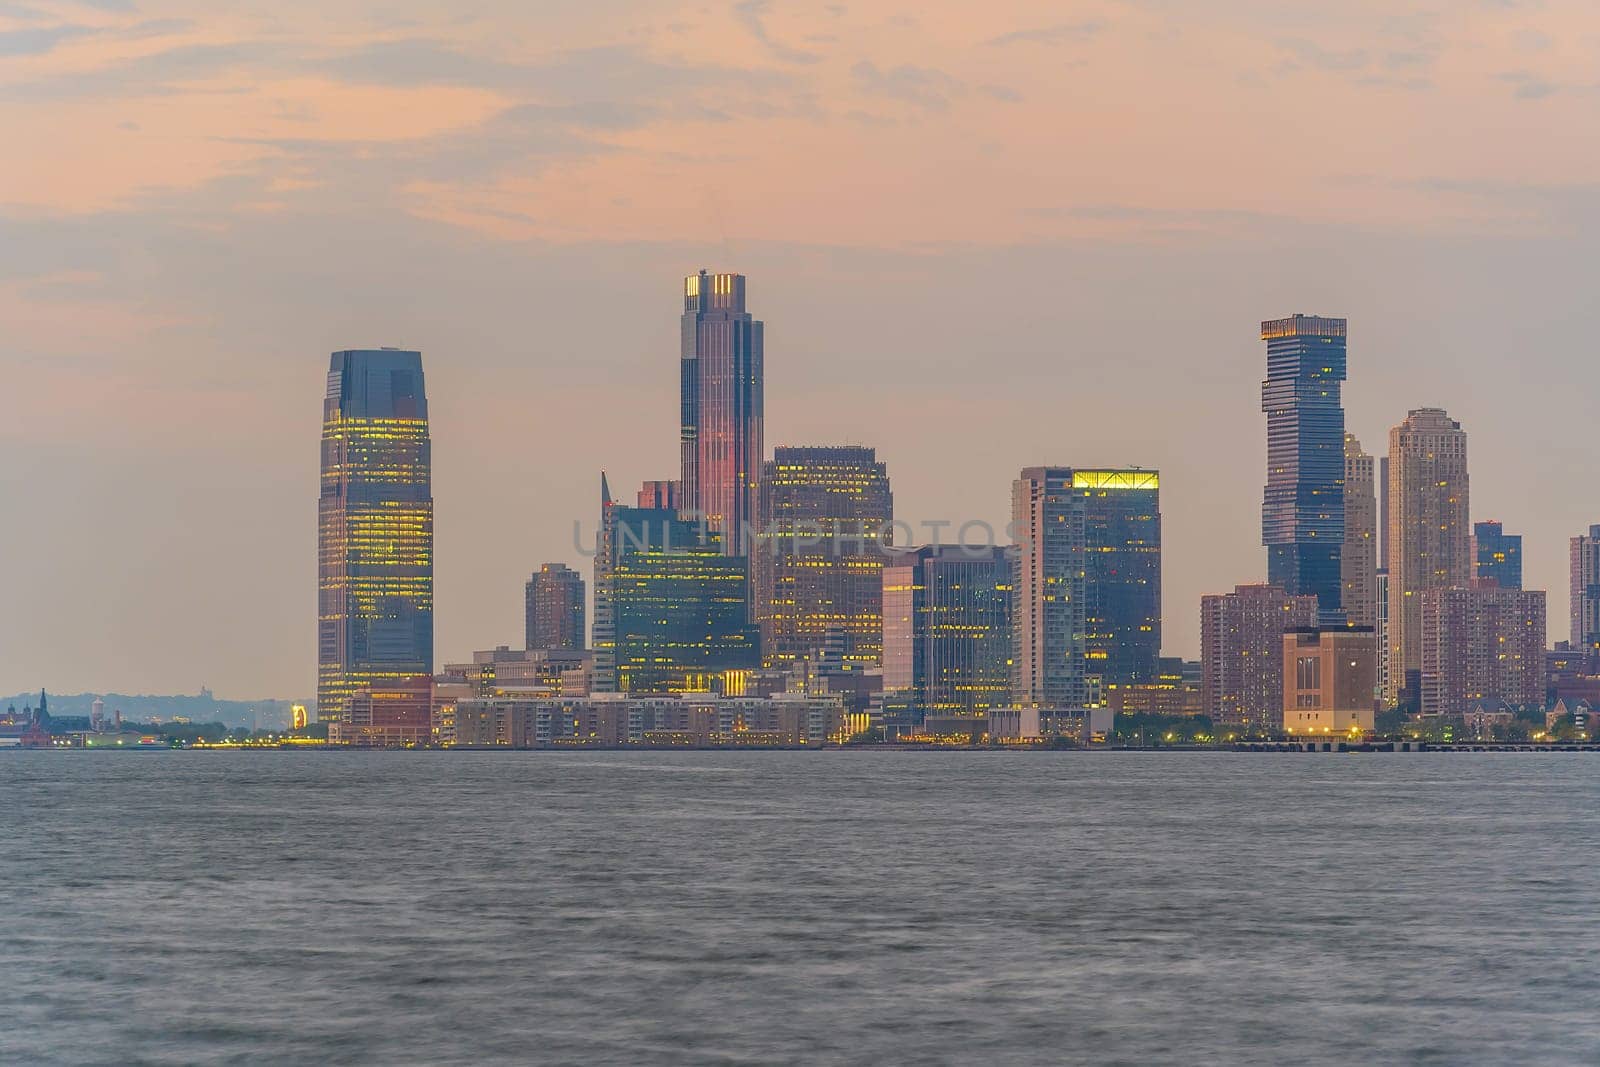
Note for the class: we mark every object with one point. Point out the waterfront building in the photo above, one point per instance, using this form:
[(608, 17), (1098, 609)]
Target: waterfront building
[(671, 609), (1241, 653), (1481, 643), (721, 402), (554, 610), (1497, 554), (1177, 692), (1330, 680), (1429, 535), (826, 515), (665, 721), (374, 527), (1087, 599), (1585, 591), (1302, 510), (397, 714), (947, 628), (1358, 563), (1381, 630)]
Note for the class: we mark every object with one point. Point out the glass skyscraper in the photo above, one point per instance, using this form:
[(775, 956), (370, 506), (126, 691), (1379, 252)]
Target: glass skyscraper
[(1498, 554), (721, 406), (825, 515), (671, 612), (375, 527), (1087, 609), (947, 628), (1302, 510)]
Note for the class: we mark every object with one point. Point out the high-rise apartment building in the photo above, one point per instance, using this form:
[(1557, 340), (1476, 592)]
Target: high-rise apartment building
[(374, 527), (1585, 590), (671, 609), (1429, 534), (825, 529), (946, 628), (1302, 510), (1241, 653), (1497, 554), (554, 609), (1359, 557), (721, 406), (1482, 644), (1087, 607)]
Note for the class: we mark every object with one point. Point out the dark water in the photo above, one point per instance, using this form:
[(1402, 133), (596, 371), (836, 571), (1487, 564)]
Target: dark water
[(211, 907)]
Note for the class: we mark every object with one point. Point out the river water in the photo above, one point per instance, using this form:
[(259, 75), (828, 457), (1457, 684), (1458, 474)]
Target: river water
[(799, 907)]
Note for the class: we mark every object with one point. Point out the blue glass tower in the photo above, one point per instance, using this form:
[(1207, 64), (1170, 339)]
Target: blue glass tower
[(1302, 510)]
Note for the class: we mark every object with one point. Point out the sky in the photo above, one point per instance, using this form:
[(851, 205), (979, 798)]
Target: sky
[(981, 237)]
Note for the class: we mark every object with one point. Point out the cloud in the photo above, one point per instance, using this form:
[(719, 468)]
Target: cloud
[(1530, 86), (751, 12), (923, 87), (1315, 55), (38, 41), (1058, 34)]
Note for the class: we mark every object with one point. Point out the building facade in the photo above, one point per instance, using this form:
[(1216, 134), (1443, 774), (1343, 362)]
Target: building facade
[(1241, 653), (374, 527), (554, 608), (826, 516), (1330, 681), (1482, 644), (1087, 599), (1358, 563), (1302, 510), (671, 609), (1585, 591), (1497, 554), (947, 628), (1429, 533), (721, 406)]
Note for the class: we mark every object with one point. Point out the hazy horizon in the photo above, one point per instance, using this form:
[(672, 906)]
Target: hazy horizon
[(980, 240)]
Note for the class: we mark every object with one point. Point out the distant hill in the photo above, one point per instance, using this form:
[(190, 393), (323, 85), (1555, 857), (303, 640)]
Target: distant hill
[(204, 707)]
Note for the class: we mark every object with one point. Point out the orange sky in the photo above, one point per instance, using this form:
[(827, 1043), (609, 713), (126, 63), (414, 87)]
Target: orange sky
[(982, 236)]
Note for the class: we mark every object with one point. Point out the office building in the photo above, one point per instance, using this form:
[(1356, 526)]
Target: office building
[(1429, 534), (721, 407), (1482, 644), (1302, 510), (554, 611), (1241, 653), (1087, 607), (825, 531), (374, 527), (1359, 555), (1497, 554), (1330, 681), (671, 609), (659, 494), (946, 628), (1585, 591)]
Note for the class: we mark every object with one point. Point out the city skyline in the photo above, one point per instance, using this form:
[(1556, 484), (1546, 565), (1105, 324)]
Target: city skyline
[(174, 270)]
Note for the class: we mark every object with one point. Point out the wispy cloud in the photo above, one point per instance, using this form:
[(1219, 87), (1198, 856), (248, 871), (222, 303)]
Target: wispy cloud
[(1056, 34), (923, 87), (752, 13)]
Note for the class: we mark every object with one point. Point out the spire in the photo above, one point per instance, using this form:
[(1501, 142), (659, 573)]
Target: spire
[(605, 492)]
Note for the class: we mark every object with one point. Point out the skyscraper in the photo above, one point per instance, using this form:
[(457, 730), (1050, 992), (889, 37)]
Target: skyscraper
[(375, 527), (1302, 510), (671, 609), (721, 405), (1359, 557), (1241, 652), (1585, 590), (1481, 644), (554, 611), (825, 524), (1498, 555), (1429, 542), (946, 628), (1087, 607)]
